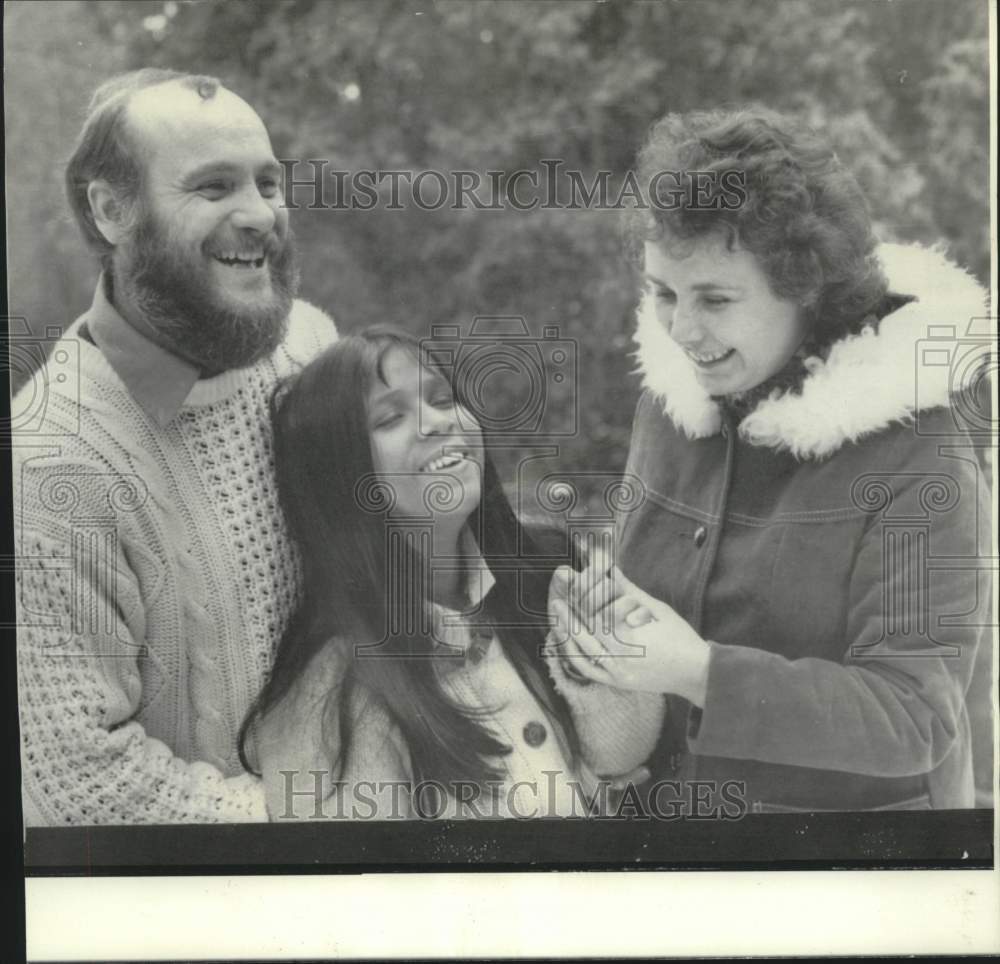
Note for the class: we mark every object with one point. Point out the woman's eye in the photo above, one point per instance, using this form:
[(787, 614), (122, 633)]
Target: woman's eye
[(716, 301), (385, 421), (663, 295), (442, 401)]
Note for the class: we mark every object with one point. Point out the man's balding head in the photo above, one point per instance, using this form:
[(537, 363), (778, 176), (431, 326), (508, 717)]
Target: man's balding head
[(175, 185), (108, 149)]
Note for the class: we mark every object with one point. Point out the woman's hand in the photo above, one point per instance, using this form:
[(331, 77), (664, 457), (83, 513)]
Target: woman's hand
[(610, 631)]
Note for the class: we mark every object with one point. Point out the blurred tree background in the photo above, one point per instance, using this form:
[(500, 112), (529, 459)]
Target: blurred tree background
[(900, 85)]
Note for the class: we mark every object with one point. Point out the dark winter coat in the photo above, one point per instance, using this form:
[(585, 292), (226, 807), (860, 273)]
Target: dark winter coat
[(833, 546)]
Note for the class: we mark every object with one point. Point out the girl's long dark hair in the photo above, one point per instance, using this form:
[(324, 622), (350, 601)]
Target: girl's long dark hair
[(322, 451)]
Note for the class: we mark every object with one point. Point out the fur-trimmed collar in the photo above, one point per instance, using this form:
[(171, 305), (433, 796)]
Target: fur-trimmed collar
[(867, 382)]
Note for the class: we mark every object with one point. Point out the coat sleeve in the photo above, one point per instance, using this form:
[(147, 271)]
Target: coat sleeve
[(618, 729), (81, 631), (895, 705)]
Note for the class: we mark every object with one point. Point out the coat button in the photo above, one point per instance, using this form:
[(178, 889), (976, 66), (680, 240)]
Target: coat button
[(535, 733), (700, 535)]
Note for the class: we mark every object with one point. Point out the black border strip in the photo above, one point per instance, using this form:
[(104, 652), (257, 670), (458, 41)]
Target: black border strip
[(954, 840)]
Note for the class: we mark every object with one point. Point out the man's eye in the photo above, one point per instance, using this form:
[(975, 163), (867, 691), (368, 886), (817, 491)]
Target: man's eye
[(663, 294), (268, 187), (443, 401), (716, 301), (213, 189)]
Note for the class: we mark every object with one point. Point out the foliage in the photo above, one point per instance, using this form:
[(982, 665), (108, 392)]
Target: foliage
[(445, 85)]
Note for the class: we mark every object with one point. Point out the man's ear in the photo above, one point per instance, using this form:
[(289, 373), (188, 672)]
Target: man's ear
[(109, 212)]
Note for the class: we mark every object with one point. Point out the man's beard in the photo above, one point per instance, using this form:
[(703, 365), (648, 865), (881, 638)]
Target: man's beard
[(179, 296)]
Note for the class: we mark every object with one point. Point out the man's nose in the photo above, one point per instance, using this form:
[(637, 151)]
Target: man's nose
[(254, 211)]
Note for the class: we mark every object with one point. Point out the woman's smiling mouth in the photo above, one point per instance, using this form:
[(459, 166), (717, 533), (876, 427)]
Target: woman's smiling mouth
[(710, 359), (441, 462)]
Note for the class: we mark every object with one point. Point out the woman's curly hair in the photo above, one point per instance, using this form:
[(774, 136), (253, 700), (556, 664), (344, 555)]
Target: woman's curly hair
[(801, 213)]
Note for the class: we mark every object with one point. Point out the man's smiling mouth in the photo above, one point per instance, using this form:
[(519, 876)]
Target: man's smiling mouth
[(241, 260)]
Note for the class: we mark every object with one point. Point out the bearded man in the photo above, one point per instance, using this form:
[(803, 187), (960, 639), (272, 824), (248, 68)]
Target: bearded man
[(155, 574)]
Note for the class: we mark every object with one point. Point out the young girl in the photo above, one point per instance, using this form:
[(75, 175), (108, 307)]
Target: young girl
[(411, 681)]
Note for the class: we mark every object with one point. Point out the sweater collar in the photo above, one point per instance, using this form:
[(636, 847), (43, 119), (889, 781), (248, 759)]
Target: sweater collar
[(159, 381), (864, 382)]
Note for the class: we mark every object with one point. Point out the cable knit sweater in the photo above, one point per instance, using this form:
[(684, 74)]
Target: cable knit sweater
[(155, 577)]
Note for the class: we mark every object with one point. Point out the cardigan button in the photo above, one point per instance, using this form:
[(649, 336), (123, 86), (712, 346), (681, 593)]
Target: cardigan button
[(700, 535), (534, 733)]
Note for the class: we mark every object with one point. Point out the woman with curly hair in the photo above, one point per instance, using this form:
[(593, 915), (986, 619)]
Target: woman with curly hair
[(802, 575)]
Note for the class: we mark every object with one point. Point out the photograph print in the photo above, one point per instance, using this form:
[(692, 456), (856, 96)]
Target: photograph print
[(508, 436)]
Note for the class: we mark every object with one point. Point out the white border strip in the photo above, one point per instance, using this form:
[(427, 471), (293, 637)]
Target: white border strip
[(579, 914)]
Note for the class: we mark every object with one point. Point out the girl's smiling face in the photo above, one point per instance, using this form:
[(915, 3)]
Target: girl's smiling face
[(421, 436), (716, 304)]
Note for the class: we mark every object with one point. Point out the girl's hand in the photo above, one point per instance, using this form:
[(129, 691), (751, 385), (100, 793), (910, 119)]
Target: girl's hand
[(610, 631)]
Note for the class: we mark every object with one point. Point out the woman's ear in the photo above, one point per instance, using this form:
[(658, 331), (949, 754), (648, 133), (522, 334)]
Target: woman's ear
[(110, 214)]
